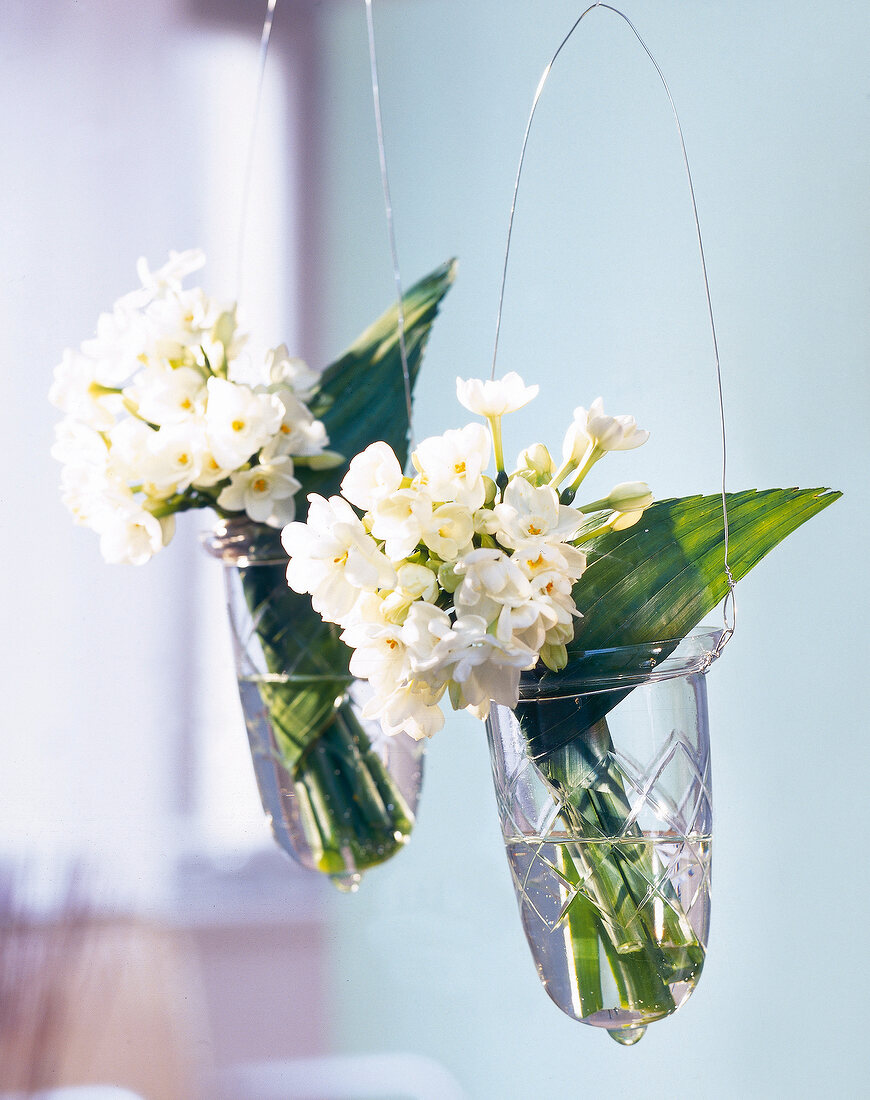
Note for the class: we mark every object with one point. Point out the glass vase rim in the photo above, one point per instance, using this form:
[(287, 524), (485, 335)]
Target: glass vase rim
[(614, 667), (241, 541)]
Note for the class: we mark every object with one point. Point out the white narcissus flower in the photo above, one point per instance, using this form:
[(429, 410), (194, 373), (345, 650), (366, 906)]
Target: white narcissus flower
[(132, 535), (494, 397), (531, 512), (610, 433), (76, 443), (78, 392), (398, 521), (411, 708), (379, 655), (372, 476), (413, 583), (163, 395), (283, 369), (175, 457), (450, 467), (265, 492), (535, 464), (448, 531), (490, 580), (298, 434), (333, 558), (130, 449), (239, 421), (173, 272)]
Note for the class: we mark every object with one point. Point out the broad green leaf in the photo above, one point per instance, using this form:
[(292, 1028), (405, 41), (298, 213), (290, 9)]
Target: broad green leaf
[(362, 395), (652, 583), (658, 579)]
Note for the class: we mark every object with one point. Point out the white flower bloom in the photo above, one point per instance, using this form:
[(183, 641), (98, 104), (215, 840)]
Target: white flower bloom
[(166, 396), (77, 391), (490, 582), (265, 492), (494, 397), (535, 464), (398, 521), (130, 450), (171, 275), (210, 472), (118, 345), (179, 324), (451, 466), (610, 433), (175, 457), (334, 558), (448, 531), (551, 561), (76, 443), (531, 512), (577, 441), (410, 708), (427, 633), (239, 421), (484, 668), (379, 655), (372, 476), (298, 433), (282, 369), (133, 535), (413, 583)]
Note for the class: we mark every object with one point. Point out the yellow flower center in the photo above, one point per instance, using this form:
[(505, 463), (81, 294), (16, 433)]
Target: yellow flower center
[(260, 485), (459, 467), (238, 425), (186, 403), (534, 530)]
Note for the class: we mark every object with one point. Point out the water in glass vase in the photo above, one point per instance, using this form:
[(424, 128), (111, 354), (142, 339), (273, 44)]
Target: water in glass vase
[(616, 926), (333, 802)]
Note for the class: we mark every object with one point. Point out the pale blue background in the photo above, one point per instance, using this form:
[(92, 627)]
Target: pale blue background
[(605, 297)]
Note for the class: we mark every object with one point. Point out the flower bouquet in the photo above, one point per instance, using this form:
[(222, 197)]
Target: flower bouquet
[(511, 598), (167, 411)]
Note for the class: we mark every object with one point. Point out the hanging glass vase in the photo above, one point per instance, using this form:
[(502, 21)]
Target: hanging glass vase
[(602, 778), (340, 797)]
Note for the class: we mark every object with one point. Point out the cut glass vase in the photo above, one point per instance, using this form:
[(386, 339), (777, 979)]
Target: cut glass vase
[(340, 797), (602, 779)]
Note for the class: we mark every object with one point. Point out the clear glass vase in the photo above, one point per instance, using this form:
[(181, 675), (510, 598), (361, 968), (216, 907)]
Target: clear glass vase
[(602, 779), (340, 797)]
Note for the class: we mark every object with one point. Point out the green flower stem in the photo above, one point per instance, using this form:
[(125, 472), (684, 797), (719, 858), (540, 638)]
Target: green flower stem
[(583, 929), (351, 811), (616, 874)]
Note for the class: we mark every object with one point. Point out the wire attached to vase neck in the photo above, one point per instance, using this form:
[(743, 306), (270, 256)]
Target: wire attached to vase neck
[(729, 610)]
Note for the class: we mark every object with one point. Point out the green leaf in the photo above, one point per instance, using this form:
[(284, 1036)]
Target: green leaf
[(658, 579), (362, 395), (653, 583)]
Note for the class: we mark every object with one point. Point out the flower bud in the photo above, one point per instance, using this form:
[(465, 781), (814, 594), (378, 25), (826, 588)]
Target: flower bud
[(555, 657), (535, 464), (447, 577)]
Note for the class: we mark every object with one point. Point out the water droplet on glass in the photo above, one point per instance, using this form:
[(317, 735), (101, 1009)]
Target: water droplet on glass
[(347, 883), (627, 1036)]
